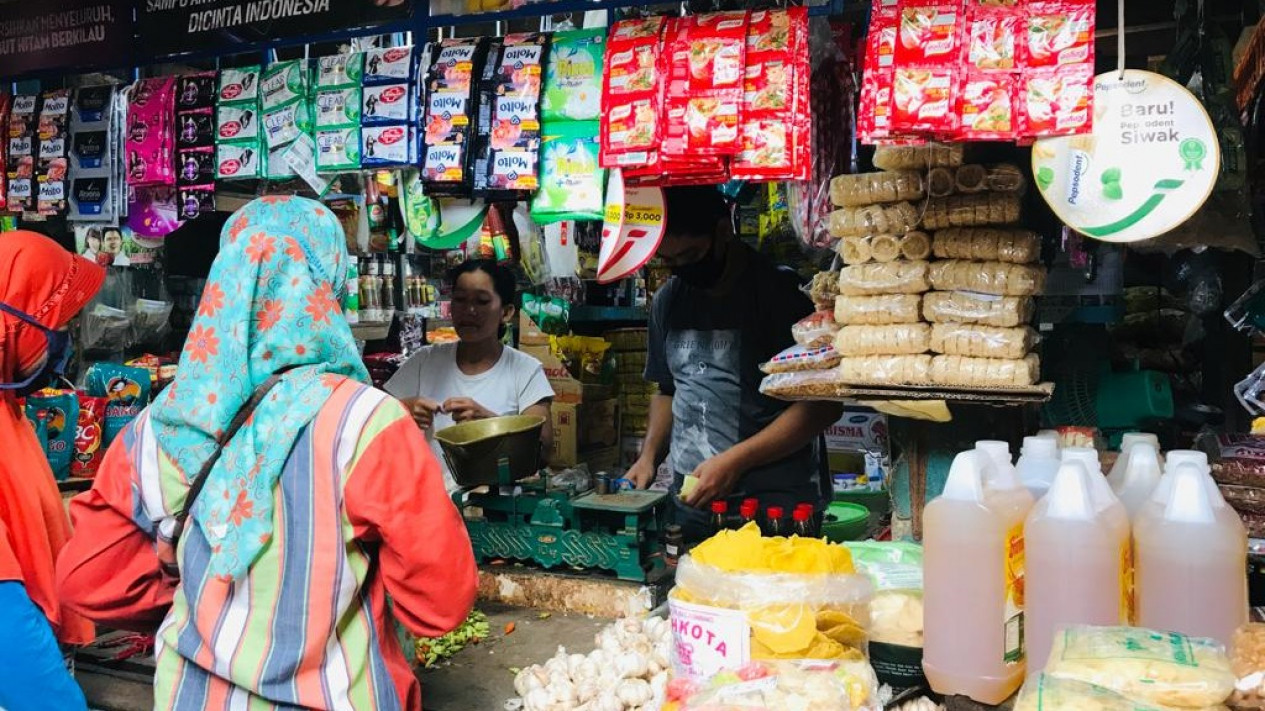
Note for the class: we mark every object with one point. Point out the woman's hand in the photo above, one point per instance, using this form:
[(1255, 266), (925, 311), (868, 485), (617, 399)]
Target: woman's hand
[(423, 410), (464, 409)]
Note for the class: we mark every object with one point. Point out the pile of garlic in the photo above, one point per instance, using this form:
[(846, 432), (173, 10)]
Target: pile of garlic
[(627, 672)]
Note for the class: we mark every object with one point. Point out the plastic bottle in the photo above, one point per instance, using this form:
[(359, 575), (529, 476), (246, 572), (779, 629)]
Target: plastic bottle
[(1191, 556), (775, 523), (1104, 499), (1138, 478), (1079, 567), (747, 511), (720, 516), (973, 585), (1164, 488), (1001, 478), (1038, 464), (802, 518), (1127, 442)]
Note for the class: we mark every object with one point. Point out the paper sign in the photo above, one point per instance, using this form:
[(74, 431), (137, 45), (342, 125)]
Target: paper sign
[(1149, 164), (633, 227), (707, 640), (301, 157)]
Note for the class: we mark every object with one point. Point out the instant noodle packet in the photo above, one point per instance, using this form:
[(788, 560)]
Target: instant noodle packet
[(992, 39), (631, 93), (1060, 33), (986, 110), (1056, 102)]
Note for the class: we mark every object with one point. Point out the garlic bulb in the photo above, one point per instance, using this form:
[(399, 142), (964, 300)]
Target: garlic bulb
[(633, 692)]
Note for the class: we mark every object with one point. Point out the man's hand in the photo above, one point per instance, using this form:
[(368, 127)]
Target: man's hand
[(463, 409), (423, 410), (642, 473), (716, 478)]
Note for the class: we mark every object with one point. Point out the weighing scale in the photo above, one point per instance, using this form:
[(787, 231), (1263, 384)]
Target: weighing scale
[(513, 511)]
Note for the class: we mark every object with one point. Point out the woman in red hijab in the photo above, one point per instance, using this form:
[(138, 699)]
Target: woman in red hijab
[(42, 287)]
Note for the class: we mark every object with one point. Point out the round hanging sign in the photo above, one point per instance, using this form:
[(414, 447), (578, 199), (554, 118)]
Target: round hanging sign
[(1149, 164), (633, 227)]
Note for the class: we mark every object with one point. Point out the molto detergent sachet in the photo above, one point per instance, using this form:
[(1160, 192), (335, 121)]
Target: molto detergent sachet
[(57, 412), (126, 391)]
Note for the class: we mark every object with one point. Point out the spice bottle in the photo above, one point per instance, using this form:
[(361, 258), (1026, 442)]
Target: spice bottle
[(803, 518), (720, 516), (775, 522), (673, 544), (747, 511), (351, 301)]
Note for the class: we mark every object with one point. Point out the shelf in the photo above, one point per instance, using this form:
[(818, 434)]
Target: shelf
[(590, 314)]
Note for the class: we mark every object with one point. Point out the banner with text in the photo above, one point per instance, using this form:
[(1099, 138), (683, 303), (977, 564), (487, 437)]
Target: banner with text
[(61, 34), (169, 27)]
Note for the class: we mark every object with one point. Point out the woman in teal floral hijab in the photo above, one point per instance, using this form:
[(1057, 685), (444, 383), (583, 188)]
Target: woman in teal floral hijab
[(271, 302)]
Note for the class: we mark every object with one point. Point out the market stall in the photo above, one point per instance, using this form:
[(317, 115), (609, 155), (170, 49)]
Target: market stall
[(974, 322)]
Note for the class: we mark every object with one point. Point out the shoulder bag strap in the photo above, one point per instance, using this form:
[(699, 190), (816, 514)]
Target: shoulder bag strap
[(199, 481)]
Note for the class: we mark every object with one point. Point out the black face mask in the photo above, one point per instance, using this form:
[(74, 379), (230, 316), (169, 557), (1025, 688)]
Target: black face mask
[(704, 273)]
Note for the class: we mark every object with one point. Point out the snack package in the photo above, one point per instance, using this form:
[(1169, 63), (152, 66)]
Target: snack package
[(877, 310), (874, 111), (962, 371), (889, 278), (794, 598), (977, 210), (775, 128), (126, 391), (1013, 246), (918, 157), (992, 37), (1043, 692), (1247, 661), (895, 219), (801, 384), (930, 33), (997, 278), (631, 92), (1056, 102), (915, 246), (922, 99), (896, 612), (982, 341), (89, 436), (58, 411), (889, 339), (1146, 666), (823, 288), (832, 686), (886, 370), (1060, 33), (573, 76), (798, 358), (815, 330), (572, 186), (704, 94), (873, 188), (962, 307), (986, 108)]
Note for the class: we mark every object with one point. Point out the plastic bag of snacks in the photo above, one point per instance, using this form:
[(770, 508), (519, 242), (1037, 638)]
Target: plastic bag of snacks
[(89, 436), (886, 370), (988, 245), (896, 612), (801, 384), (741, 597), (886, 278), (1247, 661), (896, 218), (1047, 693), (982, 341), (997, 278), (912, 246), (918, 157), (783, 686), (961, 307), (978, 209), (889, 339), (1163, 668), (126, 391), (798, 358), (985, 372), (815, 330), (873, 188), (874, 310), (58, 412)]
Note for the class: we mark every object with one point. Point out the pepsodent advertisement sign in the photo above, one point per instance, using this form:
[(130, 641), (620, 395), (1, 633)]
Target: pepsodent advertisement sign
[(169, 27), (1150, 163)]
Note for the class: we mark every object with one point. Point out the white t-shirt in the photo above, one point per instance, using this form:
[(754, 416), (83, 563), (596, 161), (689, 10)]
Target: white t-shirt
[(515, 383)]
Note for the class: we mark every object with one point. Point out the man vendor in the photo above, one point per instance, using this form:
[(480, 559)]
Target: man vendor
[(726, 310)]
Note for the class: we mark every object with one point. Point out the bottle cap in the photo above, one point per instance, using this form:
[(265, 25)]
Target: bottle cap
[(1040, 447), (720, 507), (749, 508), (775, 512), (751, 501), (802, 513)]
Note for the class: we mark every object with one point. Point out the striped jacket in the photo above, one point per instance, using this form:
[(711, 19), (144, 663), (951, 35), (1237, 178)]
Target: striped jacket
[(360, 514)]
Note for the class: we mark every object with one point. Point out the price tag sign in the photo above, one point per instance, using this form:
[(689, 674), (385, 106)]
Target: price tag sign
[(634, 223), (1149, 164)]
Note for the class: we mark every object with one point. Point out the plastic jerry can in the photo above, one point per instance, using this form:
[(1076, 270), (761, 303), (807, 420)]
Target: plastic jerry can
[(973, 584), (1127, 442), (1079, 563), (1136, 480), (1190, 553), (1002, 479), (1038, 464), (1100, 490)]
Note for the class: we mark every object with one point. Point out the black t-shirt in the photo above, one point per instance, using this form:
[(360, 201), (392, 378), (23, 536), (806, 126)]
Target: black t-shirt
[(706, 348)]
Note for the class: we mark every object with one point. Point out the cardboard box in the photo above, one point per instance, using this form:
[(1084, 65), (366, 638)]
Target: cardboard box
[(579, 429)]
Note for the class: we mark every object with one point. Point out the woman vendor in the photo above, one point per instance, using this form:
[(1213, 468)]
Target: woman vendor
[(478, 376)]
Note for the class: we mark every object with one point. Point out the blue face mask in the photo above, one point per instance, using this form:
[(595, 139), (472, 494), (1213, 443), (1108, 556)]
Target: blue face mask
[(54, 365)]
